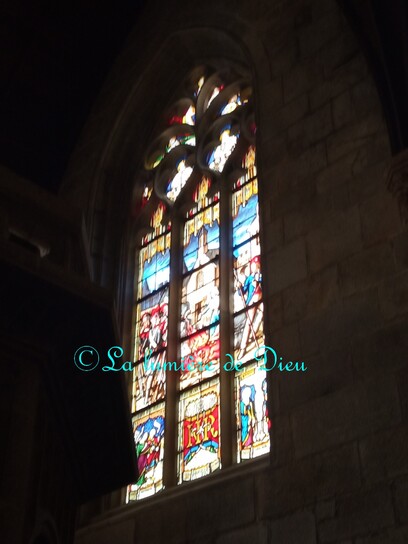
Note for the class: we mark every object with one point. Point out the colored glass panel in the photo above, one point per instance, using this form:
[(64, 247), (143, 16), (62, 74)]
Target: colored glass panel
[(222, 152), (149, 380), (232, 104), (157, 160), (252, 412), (182, 139), (200, 299), (247, 275), (154, 265), (201, 356), (249, 164), (187, 118), (245, 216), (156, 223), (147, 193), (248, 332), (201, 238), (200, 195), (199, 86), (216, 91), (176, 184), (148, 431), (199, 432), (151, 324)]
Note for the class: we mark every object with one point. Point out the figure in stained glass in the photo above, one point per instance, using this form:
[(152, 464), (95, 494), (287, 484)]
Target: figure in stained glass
[(148, 435), (253, 433), (221, 153), (232, 104), (150, 380), (248, 332), (179, 180), (200, 297), (247, 410)]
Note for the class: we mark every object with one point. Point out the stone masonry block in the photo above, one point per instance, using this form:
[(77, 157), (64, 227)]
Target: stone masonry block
[(275, 312), (400, 247), (321, 378), (287, 265), (380, 218), (321, 32), (302, 78), (255, 533), (273, 235), (286, 343), (340, 74), (304, 166), (402, 377), (338, 238), (341, 110), (393, 296), (311, 129), (291, 113), (338, 173), (298, 484), (339, 323), (384, 455), (352, 136), (345, 415), (299, 527), (391, 536), (401, 499), (325, 510), (364, 512), (338, 52), (221, 507), (366, 269), (381, 351), (311, 296)]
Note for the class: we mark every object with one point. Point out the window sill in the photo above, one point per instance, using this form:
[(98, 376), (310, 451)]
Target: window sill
[(218, 478)]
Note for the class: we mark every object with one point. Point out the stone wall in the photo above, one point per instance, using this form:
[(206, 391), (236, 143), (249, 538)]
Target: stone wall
[(336, 280)]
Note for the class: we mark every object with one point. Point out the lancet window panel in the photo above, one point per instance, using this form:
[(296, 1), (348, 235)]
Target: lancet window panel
[(198, 289)]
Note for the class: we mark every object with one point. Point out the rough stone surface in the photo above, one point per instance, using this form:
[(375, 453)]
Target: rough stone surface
[(293, 529), (287, 265), (335, 284), (363, 512), (338, 238), (345, 415)]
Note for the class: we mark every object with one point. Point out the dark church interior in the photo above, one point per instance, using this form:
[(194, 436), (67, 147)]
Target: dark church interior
[(84, 91)]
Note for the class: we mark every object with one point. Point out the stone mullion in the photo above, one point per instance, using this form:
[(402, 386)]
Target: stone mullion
[(171, 425), (226, 281)]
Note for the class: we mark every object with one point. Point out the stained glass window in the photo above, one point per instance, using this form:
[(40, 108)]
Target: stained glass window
[(199, 294)]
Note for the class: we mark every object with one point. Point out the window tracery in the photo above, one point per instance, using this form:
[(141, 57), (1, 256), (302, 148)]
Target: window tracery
[(199, 289)]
